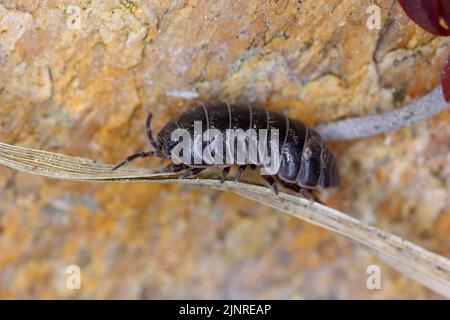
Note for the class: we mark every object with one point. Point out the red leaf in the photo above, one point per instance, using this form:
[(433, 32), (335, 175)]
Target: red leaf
[(445, 4), (445, 79), (428, 14)]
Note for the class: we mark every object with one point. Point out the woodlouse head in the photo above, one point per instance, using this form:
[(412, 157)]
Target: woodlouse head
[(164, 138)]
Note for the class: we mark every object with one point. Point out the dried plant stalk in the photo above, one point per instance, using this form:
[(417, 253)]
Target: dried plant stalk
[(427, 268), (367, 126)]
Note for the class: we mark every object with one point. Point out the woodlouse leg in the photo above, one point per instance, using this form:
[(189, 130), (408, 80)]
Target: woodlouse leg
[(172, 168), (142, 154), (224, 174), (272, 183), (240, 172), (192, 172), (291, 186), (304, 192), (310, 195), (148, 127)]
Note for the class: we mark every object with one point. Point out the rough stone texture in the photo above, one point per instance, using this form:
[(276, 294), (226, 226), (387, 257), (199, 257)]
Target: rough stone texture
[(84, 92)]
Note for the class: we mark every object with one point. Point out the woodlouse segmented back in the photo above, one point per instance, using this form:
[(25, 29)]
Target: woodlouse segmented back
[(305, 161)]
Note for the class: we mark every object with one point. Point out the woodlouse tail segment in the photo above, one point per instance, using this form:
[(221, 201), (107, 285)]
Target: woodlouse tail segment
[(142, 154), (311, 163), (329, 174)]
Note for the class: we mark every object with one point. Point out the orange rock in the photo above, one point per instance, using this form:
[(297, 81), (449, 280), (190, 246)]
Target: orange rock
[(78, 80)]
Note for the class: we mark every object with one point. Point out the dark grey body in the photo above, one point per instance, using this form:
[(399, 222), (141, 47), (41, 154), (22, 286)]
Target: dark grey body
[(305, 160)]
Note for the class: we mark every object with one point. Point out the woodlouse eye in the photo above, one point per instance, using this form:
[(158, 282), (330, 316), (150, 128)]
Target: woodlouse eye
[(434, 17)]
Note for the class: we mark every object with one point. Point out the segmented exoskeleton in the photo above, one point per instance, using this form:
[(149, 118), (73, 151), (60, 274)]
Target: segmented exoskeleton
[(305, 161)]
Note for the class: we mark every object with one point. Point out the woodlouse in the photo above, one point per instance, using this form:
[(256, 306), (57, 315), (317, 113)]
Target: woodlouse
[(305, 161)]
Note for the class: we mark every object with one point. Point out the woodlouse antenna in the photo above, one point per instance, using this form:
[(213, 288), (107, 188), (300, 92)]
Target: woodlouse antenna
[(148, 128)]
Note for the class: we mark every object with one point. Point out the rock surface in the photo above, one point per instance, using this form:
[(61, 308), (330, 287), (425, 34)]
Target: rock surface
[(77, 80)]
